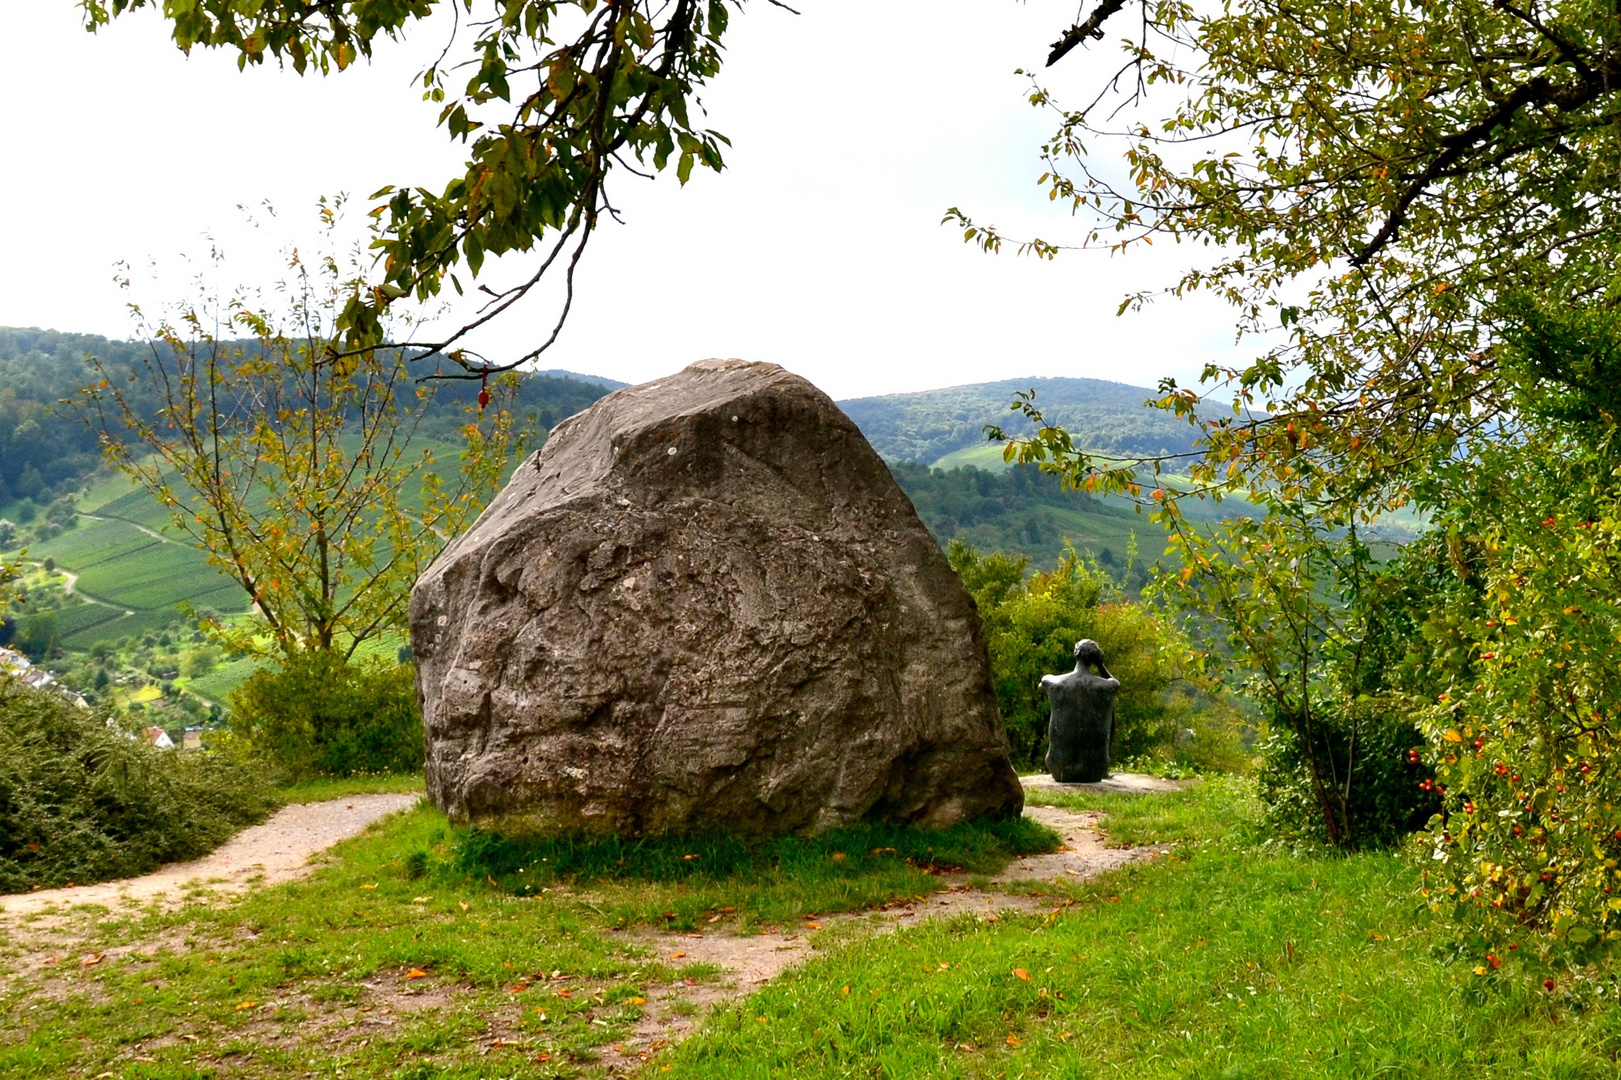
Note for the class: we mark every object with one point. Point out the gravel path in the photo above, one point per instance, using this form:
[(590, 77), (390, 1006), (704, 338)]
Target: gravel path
[(278, 850)]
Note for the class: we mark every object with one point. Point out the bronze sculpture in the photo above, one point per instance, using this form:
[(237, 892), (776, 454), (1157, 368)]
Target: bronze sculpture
[(1082, 719)]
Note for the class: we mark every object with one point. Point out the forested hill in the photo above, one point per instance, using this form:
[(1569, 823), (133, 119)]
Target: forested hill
[(931, 425), (46, 451)]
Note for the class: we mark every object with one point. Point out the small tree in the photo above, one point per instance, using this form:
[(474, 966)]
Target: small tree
[(292, 463), (1294, 594)]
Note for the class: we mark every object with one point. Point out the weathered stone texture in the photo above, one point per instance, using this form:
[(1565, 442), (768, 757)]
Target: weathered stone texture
[(705, 604)]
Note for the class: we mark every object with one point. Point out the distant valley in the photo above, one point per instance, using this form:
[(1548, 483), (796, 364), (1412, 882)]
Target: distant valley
[(131, 577)]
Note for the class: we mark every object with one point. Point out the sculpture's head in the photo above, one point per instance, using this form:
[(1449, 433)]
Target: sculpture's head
[(1088, 652)]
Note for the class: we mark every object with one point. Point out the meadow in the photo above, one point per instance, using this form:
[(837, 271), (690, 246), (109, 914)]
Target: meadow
[(404, 956)]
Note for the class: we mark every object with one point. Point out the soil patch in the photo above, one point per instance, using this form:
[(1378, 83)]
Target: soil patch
[(1115, 784)]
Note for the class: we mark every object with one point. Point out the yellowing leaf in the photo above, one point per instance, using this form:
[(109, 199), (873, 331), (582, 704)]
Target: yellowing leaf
[(677, 955), (247, 1005), (416, 973), (1021, 973), (371, 886), (1452, 736)]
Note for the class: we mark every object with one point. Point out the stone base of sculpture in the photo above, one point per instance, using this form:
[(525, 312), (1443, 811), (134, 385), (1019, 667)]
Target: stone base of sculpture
[(1082, 720)]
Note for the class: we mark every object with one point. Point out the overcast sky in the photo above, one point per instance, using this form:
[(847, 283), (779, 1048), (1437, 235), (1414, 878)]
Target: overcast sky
[(854, 126)]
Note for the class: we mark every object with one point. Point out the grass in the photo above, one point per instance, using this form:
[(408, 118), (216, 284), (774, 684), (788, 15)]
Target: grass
[(316, 978), (1203, 812), (681, 883), (1217, 961), (1220, 961), (324, 788)]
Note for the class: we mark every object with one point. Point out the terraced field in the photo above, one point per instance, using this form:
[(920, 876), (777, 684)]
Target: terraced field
[(132, 576)]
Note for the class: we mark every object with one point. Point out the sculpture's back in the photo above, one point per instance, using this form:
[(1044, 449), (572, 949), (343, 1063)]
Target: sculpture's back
[(1081, 724)]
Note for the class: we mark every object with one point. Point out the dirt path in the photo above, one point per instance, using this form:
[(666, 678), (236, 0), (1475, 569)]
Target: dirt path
[(134, 525), (278, 850), (281, 849), (755, 959)]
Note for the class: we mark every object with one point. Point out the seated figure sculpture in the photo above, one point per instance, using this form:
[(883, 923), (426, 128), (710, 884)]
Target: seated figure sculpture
[(1082, 720)]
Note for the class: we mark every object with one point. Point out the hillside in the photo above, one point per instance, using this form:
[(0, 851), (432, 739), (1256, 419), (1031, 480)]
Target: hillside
[(47, 452), (131, 574), (932, 425)]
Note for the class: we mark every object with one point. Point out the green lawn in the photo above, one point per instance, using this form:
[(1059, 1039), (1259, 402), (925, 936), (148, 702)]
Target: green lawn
[(1218, 961)]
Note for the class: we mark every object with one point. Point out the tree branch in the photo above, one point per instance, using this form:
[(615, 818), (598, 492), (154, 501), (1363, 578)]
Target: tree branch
[(1090, 27)]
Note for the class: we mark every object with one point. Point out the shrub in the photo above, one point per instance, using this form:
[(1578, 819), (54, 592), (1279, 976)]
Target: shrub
[(1386, 801), (37, 636), (321, 716), (82, 800), (199, 661)]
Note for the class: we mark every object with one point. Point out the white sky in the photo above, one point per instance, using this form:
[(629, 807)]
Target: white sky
[(854, 126)]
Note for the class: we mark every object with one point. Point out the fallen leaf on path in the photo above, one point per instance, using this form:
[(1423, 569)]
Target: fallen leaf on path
[(677, 955), (416, 973), (813, 926), (90, 960), (715, 918), (638, 1001), (247, 1005)]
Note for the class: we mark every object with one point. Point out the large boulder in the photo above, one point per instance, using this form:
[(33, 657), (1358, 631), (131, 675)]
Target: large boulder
[(705, 605)]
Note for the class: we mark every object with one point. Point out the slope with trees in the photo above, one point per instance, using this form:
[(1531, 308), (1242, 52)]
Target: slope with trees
[(1109, 417)]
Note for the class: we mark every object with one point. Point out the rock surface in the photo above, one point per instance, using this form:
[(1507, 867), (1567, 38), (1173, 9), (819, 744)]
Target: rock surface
[(705, 604)]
